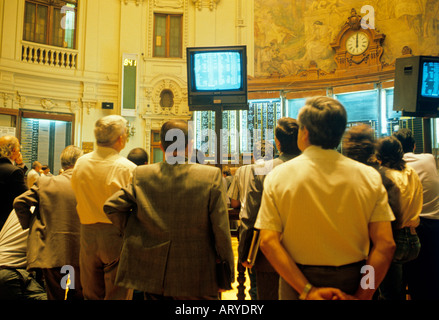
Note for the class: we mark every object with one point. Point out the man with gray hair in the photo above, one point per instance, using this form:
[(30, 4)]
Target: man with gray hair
[(96, 176), (12, 182), (53, 240)]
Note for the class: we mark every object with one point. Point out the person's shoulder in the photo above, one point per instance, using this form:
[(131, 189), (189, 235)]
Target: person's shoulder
[(84, 157), (148, 167), (125, 162), (205, 168)]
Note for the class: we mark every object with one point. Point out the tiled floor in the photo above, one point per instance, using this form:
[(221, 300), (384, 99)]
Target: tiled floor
[(232, 294)]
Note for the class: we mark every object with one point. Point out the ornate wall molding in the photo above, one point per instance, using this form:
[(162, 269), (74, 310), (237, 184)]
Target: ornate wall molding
[(137, 2), (48, 104), (176, 4), (210, 4), (166, 88)]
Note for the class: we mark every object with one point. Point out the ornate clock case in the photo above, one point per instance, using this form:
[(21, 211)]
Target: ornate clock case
[(356, 47)]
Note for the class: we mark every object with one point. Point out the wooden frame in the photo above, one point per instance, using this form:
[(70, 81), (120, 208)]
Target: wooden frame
[(48, 116), (51, 6), (167, 34), (154, 146)]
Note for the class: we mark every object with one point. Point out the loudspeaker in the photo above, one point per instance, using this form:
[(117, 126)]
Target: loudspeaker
[(410, 77), (405, 96), (107, 105)]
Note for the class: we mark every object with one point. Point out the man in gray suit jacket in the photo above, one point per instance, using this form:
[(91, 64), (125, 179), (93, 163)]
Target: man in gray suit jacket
[(53, 240), (176, 225)]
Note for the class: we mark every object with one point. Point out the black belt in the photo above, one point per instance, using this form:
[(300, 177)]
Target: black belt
[(334, 268)]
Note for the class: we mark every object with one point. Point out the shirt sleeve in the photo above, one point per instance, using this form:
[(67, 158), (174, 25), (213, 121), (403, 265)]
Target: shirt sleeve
[(268, 215)]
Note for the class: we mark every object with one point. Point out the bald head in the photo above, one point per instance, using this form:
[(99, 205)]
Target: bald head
[(174, 131)]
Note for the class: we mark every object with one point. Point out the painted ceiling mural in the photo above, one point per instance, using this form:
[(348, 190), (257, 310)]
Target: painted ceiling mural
[(289, 34)]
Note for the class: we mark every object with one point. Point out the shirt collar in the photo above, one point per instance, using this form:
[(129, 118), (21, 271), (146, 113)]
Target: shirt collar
[(287, 156), (317, 151), (105, 151)]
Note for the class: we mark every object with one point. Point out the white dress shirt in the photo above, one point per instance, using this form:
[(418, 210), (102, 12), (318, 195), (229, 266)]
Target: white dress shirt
[(322, 203), (97, 176), (425, 166)]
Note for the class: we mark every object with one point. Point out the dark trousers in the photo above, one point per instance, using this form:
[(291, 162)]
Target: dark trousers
[(18, 284), (422, 274), (347, 278), (268, 285), (407, 249)]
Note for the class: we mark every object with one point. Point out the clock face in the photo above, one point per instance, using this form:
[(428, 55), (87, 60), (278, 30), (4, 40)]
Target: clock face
[(357, 43)]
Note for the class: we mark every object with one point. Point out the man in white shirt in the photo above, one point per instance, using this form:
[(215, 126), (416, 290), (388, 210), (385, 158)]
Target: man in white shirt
[(422, 273), (34, 174), (97, 176), (320, 211), (15, 281)]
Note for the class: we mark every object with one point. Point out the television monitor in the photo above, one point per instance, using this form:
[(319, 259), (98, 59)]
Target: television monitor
[(416, 90), (217, 78)]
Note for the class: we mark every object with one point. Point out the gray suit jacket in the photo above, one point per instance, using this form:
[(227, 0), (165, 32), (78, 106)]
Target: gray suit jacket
[(54, 226), (175, 222)]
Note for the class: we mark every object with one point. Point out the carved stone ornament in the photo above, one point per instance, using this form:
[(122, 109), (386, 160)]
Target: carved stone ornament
[(211, 4), (48, 104), (138, 2), (74, 106), (354, 21), (175, 4), (167, 97)]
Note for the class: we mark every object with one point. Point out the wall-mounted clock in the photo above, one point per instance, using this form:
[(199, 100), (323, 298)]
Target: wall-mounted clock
[(357, 50), (357, 43)]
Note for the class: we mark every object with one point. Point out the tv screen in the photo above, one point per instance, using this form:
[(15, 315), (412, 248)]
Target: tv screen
[(430, 79), (217, 78), (219, 70)]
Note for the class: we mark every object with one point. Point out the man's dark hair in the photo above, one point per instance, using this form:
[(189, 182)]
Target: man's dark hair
[(325, 119), (139, 156), (286, 133), (405, 136), (180, 126), (389, 152), (359, 144)]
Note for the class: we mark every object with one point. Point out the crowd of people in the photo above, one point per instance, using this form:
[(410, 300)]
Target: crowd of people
[(320, 216)]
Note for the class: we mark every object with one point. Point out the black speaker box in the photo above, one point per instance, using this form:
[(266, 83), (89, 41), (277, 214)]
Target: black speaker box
[(407, 91), (107, 105)]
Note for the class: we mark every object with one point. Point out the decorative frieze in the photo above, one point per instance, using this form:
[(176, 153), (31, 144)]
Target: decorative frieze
[(175, 4), (210, 4)]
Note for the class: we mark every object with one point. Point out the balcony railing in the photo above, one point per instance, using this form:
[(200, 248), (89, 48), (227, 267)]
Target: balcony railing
[(48, 56)]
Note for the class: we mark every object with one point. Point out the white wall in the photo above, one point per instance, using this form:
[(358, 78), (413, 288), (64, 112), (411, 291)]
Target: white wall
[(106, 30)]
